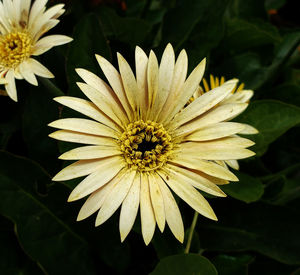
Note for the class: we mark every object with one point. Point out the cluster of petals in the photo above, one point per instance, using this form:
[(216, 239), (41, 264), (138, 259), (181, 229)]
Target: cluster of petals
[(198, 139), (22, 24)]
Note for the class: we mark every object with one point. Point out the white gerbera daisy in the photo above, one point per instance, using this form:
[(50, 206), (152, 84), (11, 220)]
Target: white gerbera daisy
[(142, 143), (21, 27)]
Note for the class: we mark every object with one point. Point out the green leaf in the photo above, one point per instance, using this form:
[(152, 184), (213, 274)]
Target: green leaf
[(196, 18), (232, 265), (289, 93), (132, 31), (245, 34), (247, 189), (270, 230), (43, 235), (272, 119), (185, 264), (88, 41)]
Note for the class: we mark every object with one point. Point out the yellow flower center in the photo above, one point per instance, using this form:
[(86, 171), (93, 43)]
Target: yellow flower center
[(15, 47), (146, 145)]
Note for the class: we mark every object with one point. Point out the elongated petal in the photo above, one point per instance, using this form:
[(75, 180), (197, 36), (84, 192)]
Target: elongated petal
[(108, 168), (203, 103), (215, 131), (78, 169), (239, 97), (165, 77), (115, 82), (218, 114), (27, 73), (179, 75), (39, 69), (96, 199), (157, 202), (173, 216), (130, 207), (233, 164), (90, 152), (147, 214), (86, 126), (71, 136), (48, 42), (189, 87), (248, 130), (87, 108), (197, 179), (189, 194), (10, 87), (116, 196), (152, 77)]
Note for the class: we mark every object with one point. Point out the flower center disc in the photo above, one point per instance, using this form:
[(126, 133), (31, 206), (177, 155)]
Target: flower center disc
[(146, 145), (14, 48)]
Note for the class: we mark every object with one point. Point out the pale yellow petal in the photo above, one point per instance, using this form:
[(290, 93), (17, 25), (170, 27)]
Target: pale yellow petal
[(189, 194), (115, 197), (198, 179), (179, 75), (239, 97), (107, 169), (27, 74), (173, 216), (130, 207), (187, 90), (115, 82), (233, 164), (152, 77), (157, 202), (203, 103), (215, 131), (71, 136), (146, 210), (248, 130), (39, 69), (86, 126), (87, 108), (10, 87), (90, 152)]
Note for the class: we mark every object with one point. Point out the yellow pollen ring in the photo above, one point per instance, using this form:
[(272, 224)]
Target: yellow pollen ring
[(15, 47), (146, 145)]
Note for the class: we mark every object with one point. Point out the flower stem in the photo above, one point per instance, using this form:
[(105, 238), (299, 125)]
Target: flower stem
[(191, 233)]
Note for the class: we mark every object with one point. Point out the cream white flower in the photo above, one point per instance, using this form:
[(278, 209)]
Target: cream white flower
[(141, 143), (21, 28)]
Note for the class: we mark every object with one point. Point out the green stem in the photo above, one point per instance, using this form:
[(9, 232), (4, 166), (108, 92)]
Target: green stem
[(191, 233)]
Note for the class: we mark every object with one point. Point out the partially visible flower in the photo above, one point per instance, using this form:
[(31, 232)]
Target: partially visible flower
[(142, 142), (237, 95), (21, 27)]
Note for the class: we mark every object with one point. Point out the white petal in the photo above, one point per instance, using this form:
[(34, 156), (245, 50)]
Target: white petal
[(86, 126), (39, 69), (152, 78), (107, 169), (157, 202), (215, 131), (116, 196), (173, 216), (248, 130), (47, 42), (197, 179), (27, 73), (87, 108), (189, 194), (239, 97), (146, 210), (115, 82), (130, 208), (90, 152), (233, 164), (203, 103), (10, 87), (189, 87), (179, 75), (71, 136)]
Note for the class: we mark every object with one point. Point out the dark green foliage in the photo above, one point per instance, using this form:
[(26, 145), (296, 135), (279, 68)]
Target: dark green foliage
[(259, 223)]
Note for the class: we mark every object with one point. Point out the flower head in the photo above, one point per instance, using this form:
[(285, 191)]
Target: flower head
[(142, 143), (21, 27)]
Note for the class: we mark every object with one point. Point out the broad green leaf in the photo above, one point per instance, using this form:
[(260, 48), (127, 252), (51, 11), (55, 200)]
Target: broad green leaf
[(184, 264), (245, 34), (247, 189), (132, 31), (272, 119), (88, 41), (203, 20), (270, 230), (232, 265), (45, 237), (248, 9)]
